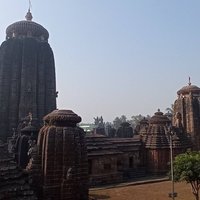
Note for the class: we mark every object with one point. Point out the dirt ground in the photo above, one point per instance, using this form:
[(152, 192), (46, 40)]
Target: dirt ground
[(153, 191)]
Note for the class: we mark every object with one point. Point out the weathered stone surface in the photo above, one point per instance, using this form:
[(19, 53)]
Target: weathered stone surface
[(27, 76), (187, 112), (27, 136), (157, 143), (14, 183), (113, 160), (64, 165)]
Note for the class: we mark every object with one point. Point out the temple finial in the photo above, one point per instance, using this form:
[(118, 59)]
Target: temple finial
[(29, 16), (189, 83), (29, 8)]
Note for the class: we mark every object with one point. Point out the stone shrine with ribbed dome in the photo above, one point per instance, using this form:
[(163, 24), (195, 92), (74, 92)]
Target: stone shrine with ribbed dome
[(156, 141), (27, 75)]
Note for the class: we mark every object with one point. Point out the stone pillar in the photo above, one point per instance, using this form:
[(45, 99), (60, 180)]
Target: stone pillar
[(63, 153)]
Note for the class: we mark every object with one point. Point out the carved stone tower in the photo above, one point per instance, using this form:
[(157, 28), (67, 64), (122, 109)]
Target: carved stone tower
[(27, 74), (187, 112)]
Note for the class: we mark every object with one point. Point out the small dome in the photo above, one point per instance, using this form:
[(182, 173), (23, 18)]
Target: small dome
[(189, 89), (159, 118), (27, 28), (64, 117)]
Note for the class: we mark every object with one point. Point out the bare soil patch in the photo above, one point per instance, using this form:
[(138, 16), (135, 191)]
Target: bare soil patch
[(152, 191)]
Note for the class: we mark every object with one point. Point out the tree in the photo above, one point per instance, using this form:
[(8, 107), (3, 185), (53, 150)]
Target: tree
[(170, 110), (187, 168), (123, 118), (118, 121), (135, 120)]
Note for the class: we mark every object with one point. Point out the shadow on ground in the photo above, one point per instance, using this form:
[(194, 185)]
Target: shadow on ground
[(98, 197)]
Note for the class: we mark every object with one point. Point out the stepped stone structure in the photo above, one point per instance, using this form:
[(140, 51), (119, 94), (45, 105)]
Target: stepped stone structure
[(157, 143), (27, 75), (63, 157), (113, 160), (14, 183), (187, 112)]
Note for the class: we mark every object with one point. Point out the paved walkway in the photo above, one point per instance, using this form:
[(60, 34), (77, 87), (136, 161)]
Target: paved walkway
[(139, 181)]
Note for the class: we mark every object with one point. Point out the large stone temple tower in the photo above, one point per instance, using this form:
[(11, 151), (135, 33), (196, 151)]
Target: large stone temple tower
[(27, 75), (187, 112)]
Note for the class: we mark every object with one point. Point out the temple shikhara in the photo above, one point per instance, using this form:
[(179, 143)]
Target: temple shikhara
[(44, 154), (27, 75)]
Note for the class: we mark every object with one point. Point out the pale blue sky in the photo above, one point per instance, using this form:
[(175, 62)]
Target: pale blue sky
[(117, 57)]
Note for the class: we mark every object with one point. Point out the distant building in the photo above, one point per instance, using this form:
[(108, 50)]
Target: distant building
[(88, 128)]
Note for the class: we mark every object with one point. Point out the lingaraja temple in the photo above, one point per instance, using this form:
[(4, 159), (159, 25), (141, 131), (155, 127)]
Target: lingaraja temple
[(27, 75), (48, 155)]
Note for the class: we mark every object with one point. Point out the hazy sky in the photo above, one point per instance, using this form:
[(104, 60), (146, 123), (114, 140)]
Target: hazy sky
[(117, 57)]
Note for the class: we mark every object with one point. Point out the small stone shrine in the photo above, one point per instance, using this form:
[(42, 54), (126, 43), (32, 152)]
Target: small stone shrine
[(63, 153)]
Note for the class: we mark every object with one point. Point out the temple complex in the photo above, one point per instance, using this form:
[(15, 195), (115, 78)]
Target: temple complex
[(49, 156), (27, 75)]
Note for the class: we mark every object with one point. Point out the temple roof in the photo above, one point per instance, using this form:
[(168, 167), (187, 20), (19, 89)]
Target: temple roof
[(189, 89), (98, 145), (158, 134), (64, 117), (159, 118), (27, 28)]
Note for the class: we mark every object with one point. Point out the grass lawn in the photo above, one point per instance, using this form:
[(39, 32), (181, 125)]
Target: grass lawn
[(152, 191)]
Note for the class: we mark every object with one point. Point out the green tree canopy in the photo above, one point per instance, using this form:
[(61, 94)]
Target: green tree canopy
[(187, 168)]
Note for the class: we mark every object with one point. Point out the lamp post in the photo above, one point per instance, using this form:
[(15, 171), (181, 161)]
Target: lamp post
[(173, 194)]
